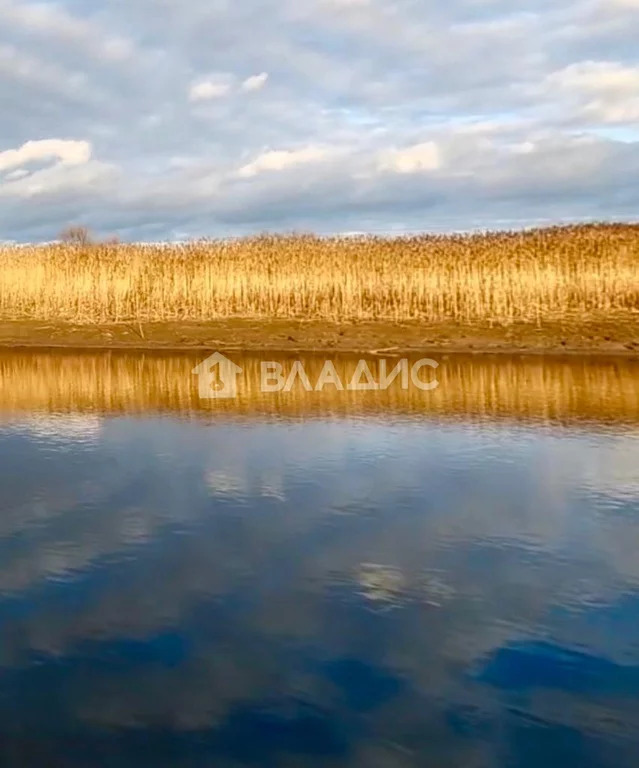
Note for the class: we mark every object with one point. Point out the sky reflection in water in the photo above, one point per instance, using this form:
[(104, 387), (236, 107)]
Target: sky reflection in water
[(397, 589)]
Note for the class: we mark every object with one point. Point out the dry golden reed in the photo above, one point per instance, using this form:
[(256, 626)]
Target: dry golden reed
[(570, 272)]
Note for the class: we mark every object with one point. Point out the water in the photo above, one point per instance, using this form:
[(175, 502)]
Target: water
[(312, 579)]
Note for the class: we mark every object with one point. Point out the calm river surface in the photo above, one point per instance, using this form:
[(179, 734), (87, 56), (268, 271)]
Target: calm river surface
[(375, 579)]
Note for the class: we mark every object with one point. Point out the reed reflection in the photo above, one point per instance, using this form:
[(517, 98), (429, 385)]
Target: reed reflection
[(532, 389)]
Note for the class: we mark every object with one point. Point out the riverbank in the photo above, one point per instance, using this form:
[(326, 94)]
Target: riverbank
[(564, 289), (606, 335)]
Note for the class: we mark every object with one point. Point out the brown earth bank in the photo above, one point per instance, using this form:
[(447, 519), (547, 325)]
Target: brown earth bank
[(604, 336)]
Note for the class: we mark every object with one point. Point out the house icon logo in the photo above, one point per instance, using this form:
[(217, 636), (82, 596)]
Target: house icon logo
[(217, 377)]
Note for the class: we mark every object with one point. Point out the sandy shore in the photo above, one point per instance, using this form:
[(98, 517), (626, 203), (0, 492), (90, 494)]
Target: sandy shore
[(612, 336)]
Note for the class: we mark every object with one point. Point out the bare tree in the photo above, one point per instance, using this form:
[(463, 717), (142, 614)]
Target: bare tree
[(76, 235)]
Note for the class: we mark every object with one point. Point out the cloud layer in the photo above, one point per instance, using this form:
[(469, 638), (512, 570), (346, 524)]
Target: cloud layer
[(219, 118)]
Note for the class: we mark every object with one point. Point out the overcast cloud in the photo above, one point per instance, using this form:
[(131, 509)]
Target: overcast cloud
[(166, 119)]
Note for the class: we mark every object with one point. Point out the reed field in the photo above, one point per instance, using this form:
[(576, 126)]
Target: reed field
[(530, 277)]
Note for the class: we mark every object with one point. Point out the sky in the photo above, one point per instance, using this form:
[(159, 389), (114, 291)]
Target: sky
[(173, 119)]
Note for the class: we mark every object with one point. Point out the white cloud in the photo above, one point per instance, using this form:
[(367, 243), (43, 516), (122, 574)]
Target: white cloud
[(78, 182), (348, 3), (606, 77), (68, 152), (466, 108), (19, 173), (52, 22), (606, 112), (218, 86), (205, 90), (603, 91), (255, 82), (279, 160), (415, 159), (523, 147)]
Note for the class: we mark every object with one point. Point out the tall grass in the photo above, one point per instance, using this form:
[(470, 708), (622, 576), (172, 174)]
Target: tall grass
[(570, 272)]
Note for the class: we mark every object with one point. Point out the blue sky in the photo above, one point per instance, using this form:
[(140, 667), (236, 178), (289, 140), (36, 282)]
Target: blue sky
[(166, 119)]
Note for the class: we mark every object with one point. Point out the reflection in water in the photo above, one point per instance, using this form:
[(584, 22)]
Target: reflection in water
[(560, 391), (406, 590)]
